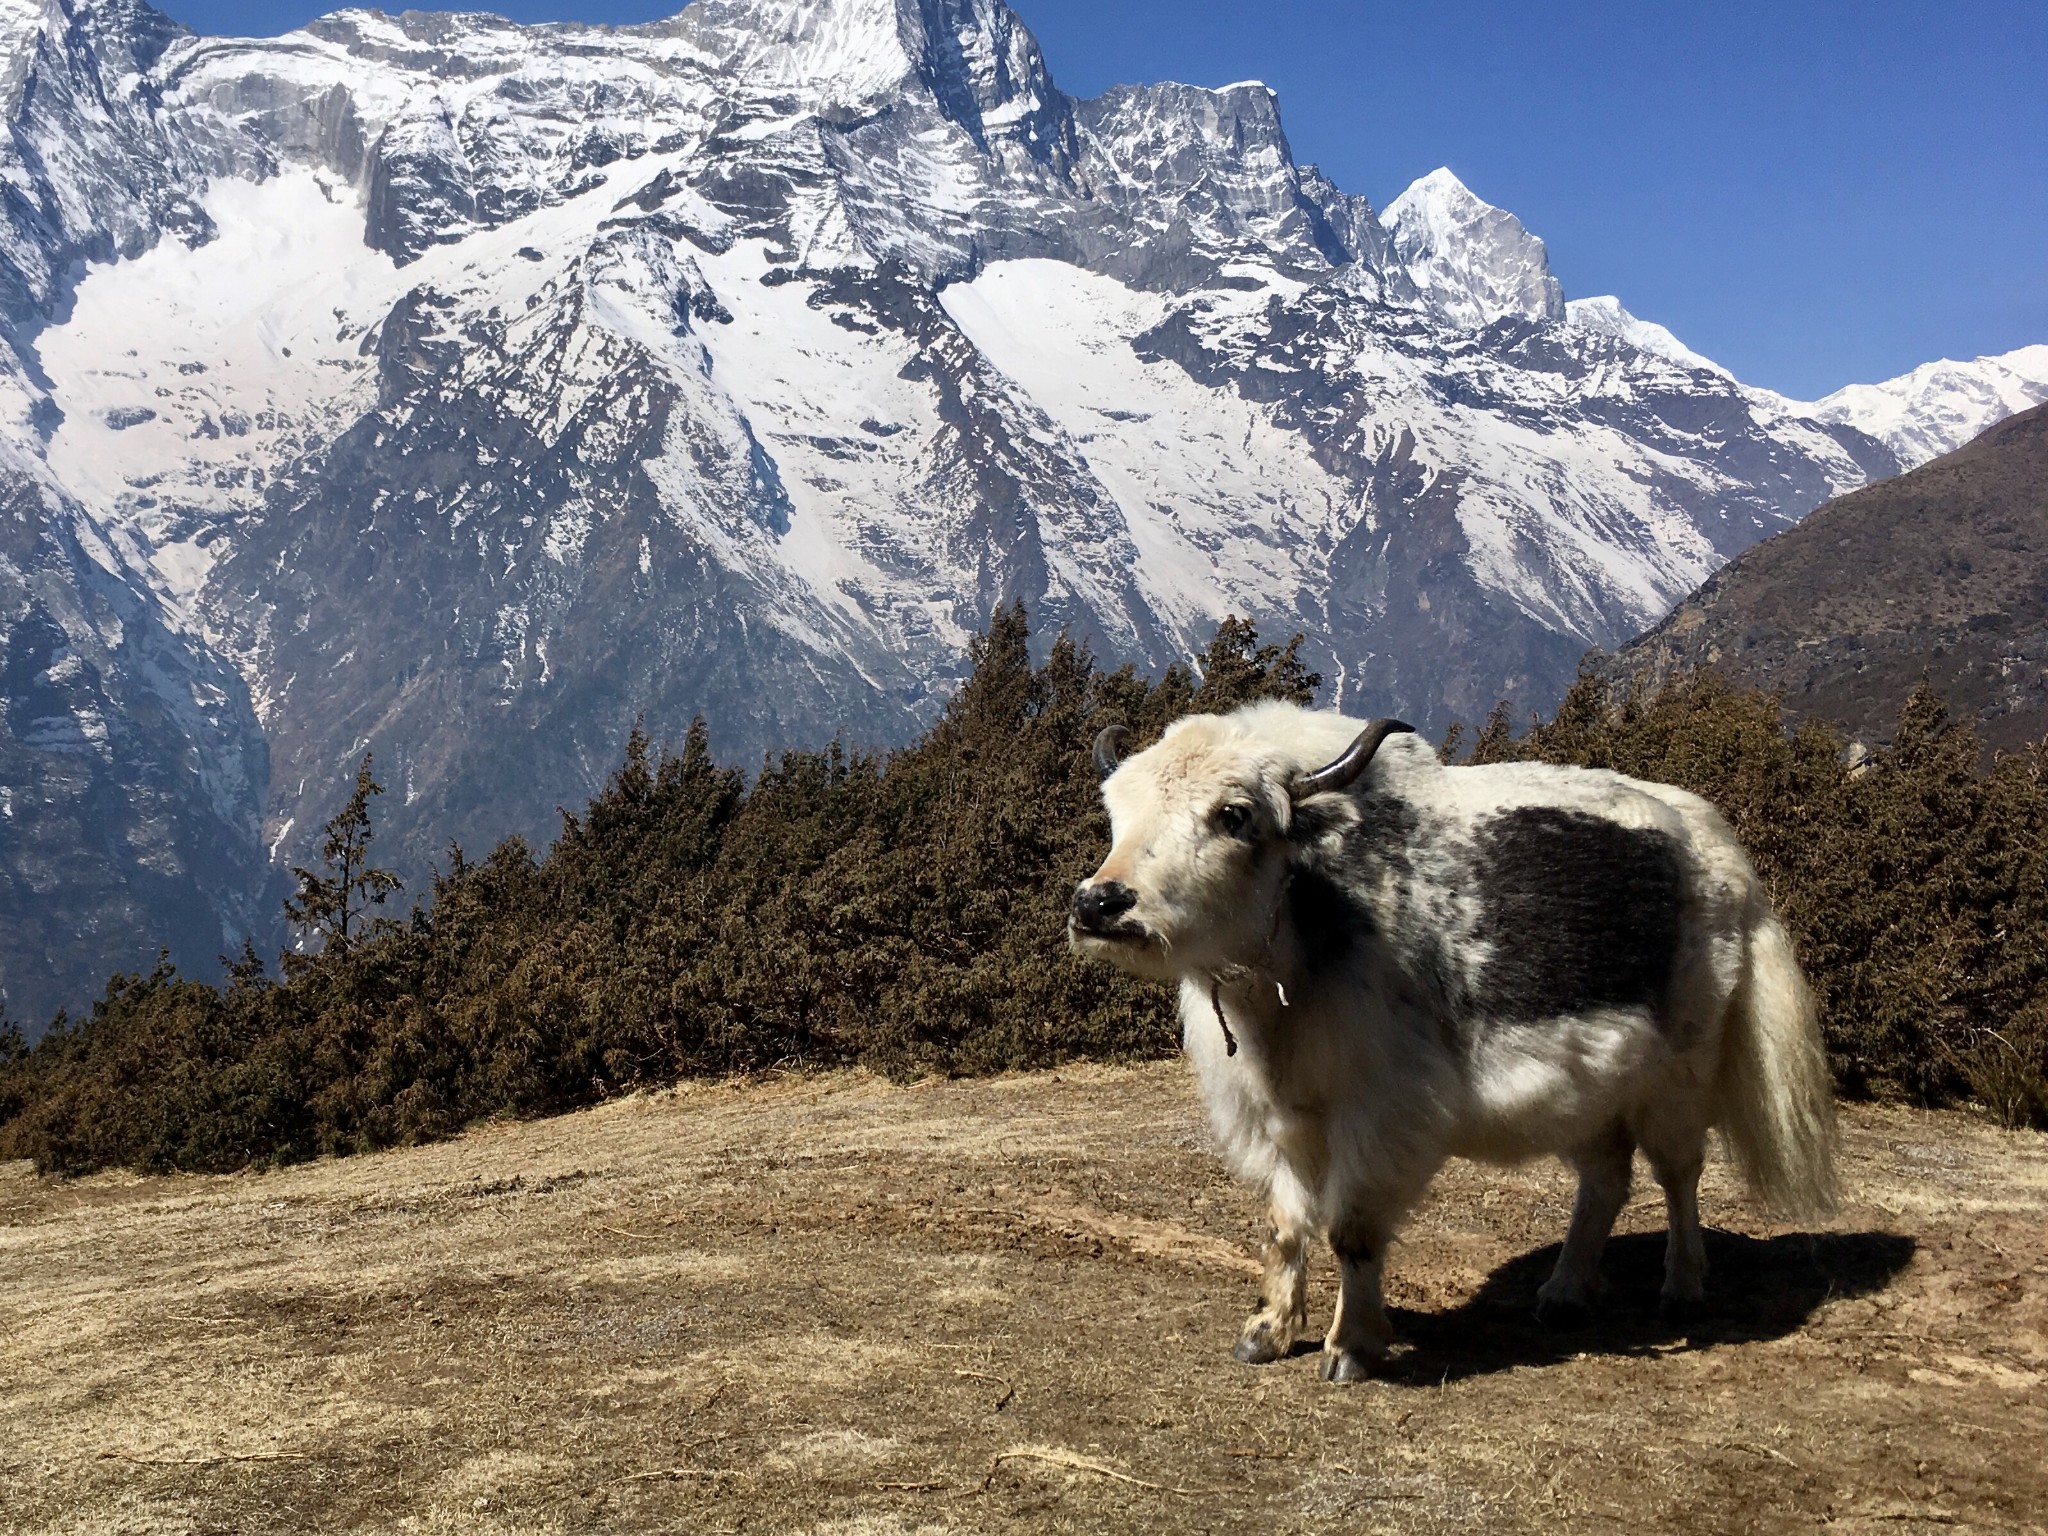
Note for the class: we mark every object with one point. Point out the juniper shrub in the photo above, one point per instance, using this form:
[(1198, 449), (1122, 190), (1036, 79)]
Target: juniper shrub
[(907, 910)]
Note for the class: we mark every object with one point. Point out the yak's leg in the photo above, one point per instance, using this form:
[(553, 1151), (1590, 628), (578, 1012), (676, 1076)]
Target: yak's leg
[(1566, 1298), (1360, 1333), (1685, 1251), (1270, 1332)]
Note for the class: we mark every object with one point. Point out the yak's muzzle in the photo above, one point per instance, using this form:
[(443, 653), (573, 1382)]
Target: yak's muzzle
[(1099, 907)]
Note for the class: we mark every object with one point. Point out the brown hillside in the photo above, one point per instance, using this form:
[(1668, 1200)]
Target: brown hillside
[(1942, 572)]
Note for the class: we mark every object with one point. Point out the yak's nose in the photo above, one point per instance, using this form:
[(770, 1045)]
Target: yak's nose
[(1099, 904)]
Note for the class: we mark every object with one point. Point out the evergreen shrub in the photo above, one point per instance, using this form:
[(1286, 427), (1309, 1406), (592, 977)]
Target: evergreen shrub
[(907, 911)]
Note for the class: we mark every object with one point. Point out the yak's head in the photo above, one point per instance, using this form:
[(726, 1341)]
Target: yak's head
[(1204, 828)]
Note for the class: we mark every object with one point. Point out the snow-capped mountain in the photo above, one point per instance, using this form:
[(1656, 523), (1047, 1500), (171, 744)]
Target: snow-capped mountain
[(1605, 317), (1468, 261), (460, 391), (1921, 415), (1940, 406)]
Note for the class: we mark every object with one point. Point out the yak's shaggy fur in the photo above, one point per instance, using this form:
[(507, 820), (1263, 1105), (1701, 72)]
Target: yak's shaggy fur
[(1488, 962)]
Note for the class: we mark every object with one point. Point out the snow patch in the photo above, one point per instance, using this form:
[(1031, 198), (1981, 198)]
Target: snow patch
[(1221, 505)]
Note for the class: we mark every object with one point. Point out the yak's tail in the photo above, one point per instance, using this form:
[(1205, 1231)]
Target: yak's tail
[(1776, 1097)]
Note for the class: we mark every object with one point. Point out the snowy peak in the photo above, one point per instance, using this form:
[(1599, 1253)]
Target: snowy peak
[(1215, 161), (872, 112), (827, 53), (1471, 262), (985, 69), (974, 56), (1604, 316), (23, 26), (1186, 129), (1942, 405), (127, 31), (89, 171)]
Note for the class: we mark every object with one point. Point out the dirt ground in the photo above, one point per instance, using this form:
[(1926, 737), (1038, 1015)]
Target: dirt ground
[(835, 1305)]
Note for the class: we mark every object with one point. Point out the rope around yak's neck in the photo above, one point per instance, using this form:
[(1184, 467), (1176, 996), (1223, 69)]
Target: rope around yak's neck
[(1231, 975), (1240, 972), (1216, 1002)]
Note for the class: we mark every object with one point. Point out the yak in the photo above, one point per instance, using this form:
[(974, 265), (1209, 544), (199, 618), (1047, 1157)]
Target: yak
[(1385, 961)]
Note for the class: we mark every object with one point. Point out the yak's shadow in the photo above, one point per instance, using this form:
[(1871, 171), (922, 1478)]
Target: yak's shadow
[(1757, 1288)]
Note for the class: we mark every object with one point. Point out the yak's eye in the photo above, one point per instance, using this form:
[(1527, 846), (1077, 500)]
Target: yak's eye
[(1233, 818)]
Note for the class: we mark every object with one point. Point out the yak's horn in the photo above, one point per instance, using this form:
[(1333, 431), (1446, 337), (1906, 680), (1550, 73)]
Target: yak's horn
[(1107, 743), (1343, 770)]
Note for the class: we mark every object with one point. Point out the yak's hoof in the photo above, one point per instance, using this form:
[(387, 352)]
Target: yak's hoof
[(1261, 1345), (1681, 1311), (1563, 1316), (1346, 1365)]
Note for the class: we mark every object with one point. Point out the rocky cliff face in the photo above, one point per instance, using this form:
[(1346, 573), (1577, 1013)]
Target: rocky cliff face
[(461, 391), (131, 768)]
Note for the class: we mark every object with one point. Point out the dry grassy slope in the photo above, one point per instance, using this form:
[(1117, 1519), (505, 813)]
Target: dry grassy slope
[(1943, 571), (829, 1304)]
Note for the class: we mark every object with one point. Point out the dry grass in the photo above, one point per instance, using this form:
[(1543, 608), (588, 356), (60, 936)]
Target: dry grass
[(834, 1305)]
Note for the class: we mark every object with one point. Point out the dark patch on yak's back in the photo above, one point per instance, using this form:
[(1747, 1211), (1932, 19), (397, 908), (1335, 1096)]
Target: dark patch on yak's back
[(1578, 911)]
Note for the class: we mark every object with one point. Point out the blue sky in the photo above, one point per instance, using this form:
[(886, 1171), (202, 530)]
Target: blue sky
[(1810, 191)]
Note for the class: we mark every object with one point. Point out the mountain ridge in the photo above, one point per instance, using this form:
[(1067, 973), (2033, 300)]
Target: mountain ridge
[(463, 391), (1933, 575)]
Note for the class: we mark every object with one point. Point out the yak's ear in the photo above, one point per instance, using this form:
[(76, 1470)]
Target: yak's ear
[(1309, 821), (1109, 748)]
